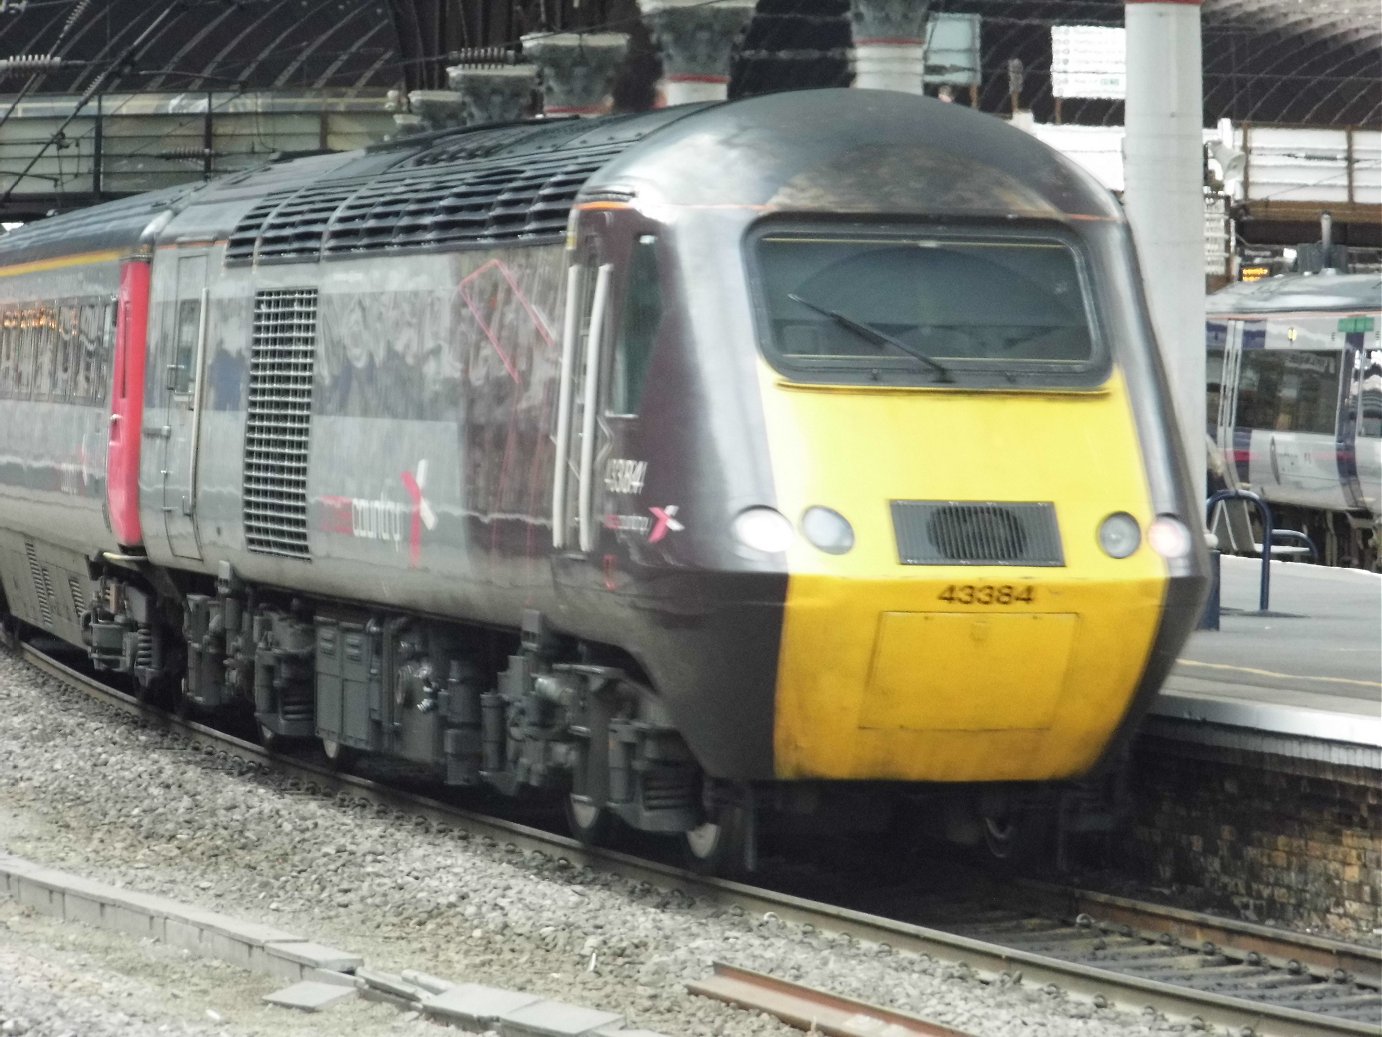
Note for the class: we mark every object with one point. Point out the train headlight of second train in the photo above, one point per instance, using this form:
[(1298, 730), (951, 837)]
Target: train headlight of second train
[(1119, 535)]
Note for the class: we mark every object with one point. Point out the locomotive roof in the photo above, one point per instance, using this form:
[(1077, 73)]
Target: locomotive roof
[(821, 150), (115, 225), (1293, 293), (827, 151)]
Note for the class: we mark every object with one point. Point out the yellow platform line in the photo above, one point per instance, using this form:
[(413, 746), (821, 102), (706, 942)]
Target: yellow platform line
[(1281, 676)]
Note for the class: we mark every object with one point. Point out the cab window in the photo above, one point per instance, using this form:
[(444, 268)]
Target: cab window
[(638, 329)]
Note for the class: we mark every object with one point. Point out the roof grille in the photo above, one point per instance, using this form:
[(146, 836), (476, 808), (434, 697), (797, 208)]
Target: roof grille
[(279, 422), (977, 533), (512, 200)]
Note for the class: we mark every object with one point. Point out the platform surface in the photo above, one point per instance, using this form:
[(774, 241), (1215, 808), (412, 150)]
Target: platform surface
[(1311, 668)]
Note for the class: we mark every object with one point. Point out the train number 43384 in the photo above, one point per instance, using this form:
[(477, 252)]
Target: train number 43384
[(988, 594)]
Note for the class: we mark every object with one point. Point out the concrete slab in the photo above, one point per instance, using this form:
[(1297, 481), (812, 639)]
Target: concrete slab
[(475, 1005), (340, 979), (308, 996), (183, 935), (133, 922), (77, 907), (38, 895), (555, 1019), (431, 984), (391, 984), (294, 960)]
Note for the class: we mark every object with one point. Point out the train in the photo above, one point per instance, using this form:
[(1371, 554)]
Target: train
[(1295, 406), (710, 468)]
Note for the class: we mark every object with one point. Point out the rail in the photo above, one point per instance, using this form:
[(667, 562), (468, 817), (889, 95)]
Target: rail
[(1221, 1008)]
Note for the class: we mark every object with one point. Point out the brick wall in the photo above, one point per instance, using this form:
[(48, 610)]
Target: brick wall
[(1265, 837)]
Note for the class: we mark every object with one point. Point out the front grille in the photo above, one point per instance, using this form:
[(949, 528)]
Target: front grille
[(977, 533), (279, 421)]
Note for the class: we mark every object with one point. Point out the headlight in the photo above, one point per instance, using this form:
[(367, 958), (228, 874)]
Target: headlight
[(1169, 537), (763, 529), (1119, 535), (828, 530)]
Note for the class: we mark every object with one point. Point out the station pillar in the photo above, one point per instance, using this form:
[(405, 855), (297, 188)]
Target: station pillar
[(577, 69), (1163, 156), (889, 44), (695, 39), (502, 94)]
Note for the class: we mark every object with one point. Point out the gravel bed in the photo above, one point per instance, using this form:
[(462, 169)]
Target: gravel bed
[(87, 789)]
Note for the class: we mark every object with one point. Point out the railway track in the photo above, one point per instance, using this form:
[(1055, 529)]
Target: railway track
[(1214, 975)]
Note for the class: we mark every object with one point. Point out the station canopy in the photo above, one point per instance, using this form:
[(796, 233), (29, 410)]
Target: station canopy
[(1265, 61)]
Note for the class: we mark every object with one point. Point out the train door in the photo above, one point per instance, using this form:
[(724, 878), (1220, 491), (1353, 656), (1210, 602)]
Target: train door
[(579, 433), (185, 348)]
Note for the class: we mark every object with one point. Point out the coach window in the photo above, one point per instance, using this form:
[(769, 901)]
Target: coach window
[(7, 355), (90, 352), (189, 322), (45, 351), (637, 330), (1370, 402), (68, 357)]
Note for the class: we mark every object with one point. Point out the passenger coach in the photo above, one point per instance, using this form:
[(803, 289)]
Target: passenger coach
[(1295, 404), (704, 465)]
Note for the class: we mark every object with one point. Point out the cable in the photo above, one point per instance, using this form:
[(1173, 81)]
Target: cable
[(131, 52)]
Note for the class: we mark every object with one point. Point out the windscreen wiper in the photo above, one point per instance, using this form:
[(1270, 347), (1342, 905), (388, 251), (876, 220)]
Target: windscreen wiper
[(878, 338)]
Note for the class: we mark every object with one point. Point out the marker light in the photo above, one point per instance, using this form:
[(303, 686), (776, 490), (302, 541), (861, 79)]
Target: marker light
[(828, 530), (1169, 537), (763, 529), (1119, 535)]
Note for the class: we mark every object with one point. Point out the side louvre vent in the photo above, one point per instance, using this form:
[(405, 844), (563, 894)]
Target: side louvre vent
[(278, 425), (78, 598), (977, 533), (43, 589)]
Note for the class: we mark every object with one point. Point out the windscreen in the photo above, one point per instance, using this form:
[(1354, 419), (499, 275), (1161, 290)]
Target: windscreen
[(927, 309)]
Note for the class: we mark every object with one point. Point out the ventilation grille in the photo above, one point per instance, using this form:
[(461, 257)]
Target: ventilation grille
[(279, 421), (494, 202), (976, 533), (43, 589), (78, 598)]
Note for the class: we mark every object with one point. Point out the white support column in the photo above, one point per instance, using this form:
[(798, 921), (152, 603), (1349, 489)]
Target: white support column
[(695, 39), (1164, 197), (577, 69), (889, 44)]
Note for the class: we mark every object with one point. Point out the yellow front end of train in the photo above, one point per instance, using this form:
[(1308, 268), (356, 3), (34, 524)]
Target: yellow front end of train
[(955, 673)]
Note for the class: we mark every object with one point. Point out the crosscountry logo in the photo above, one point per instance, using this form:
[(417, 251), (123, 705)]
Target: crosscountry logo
[(423, 515)]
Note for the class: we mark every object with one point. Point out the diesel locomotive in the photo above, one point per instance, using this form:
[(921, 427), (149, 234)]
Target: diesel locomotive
[(702, 465), (1295, 404)]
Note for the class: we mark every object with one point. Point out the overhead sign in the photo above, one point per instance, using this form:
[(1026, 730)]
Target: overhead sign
[(1089, 61)]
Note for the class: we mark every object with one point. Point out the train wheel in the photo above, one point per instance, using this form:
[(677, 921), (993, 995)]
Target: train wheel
[(338, 756), (718, 846), (591, 825)]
